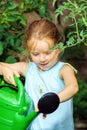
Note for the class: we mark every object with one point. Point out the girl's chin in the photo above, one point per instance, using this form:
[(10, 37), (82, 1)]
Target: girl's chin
[(44, 68)]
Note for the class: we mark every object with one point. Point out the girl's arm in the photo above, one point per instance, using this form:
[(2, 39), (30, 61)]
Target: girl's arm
[(9, 70), (71, 86)]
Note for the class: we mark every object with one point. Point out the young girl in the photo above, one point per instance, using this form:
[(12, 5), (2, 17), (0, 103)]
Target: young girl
[(45, 73)]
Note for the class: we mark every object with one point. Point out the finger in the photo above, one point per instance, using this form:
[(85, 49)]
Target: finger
[(9, 79), (36, 109), (16, 74), (44, 116)]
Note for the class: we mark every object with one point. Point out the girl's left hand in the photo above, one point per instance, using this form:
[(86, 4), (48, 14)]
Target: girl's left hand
[(37, 110)]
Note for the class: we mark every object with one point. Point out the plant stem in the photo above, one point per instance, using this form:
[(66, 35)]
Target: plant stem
[(84, 21), (77, 30)]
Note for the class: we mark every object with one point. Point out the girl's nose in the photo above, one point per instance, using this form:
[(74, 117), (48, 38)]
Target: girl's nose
[(42, 58)]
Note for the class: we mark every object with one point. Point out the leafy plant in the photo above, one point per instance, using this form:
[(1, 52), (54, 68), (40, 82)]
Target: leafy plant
[(40, 6), (75, 40), (80, 101), (12, 24), (75, 33)]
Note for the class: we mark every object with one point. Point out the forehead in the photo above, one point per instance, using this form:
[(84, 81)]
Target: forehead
[(40, 45)]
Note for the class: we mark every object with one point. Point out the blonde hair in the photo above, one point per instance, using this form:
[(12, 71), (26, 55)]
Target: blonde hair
[(41, 29)]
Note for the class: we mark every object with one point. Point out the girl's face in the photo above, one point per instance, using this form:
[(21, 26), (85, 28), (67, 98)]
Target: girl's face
[(43, 56)]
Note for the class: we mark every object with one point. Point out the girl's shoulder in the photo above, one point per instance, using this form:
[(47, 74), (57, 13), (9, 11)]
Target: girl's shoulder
[(68, 65), (60, 65)]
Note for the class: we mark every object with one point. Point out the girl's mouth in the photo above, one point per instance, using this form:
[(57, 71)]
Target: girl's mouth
[(44, 64)]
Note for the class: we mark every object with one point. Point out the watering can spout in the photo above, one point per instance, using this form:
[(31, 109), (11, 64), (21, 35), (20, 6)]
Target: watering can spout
[(31, 116)]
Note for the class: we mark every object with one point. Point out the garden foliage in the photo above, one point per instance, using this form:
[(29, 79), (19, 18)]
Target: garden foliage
[(80, 102), (76, 32), (12, 24)]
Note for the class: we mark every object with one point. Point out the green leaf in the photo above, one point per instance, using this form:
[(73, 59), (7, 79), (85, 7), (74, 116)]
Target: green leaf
[(54, 1), (81, 33), (11, 19), (59, 45), (1, 29), (18, 42), (23, 20), (20, 49), (42, 10), (1, 48), (12, 42), (14, 12), (12, 6), (10, 59)]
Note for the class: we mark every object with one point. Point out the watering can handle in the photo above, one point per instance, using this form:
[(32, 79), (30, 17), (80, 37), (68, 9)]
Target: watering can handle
[(21, 93)]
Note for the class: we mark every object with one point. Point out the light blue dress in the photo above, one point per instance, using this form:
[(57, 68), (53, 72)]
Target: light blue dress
[(40, 82)]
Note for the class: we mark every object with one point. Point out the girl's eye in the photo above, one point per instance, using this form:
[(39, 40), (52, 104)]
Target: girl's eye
[(35, 54), (47, 53)]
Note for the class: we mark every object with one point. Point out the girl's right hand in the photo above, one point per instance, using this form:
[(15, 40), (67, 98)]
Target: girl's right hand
[(9, 70), (9, 76), (8, 73)]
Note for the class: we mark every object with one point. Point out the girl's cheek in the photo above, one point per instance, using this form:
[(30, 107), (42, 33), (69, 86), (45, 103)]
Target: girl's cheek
[(54, 56), (51, 58), (35, 59)]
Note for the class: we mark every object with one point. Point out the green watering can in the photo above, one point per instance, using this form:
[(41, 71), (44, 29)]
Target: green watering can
[(15, 104)]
